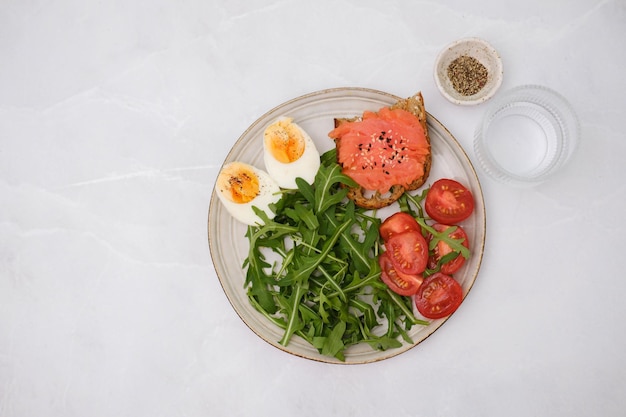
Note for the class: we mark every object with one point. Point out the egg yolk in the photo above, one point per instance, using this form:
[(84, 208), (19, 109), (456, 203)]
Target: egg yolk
[(238, 183), (285, 141)]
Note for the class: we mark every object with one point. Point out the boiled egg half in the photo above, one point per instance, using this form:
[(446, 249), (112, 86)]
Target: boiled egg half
[(241, 186), (289, 153)]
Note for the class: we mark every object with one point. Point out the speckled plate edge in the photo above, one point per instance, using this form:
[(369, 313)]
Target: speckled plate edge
[(226, 236)]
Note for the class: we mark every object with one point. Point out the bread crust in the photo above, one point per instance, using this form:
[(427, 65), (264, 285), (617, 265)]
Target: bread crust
[(373, 199)]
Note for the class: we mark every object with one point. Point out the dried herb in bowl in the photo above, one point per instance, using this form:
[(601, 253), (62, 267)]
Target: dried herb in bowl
[(468, 75)]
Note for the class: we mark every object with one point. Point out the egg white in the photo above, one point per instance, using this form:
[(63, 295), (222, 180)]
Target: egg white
[(305, 167), (269, 192)]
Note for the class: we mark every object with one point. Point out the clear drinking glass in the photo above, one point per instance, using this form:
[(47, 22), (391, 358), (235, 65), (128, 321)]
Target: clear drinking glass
[(526, 135)]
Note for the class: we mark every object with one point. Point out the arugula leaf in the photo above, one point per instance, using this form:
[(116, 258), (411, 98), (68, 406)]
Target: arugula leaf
[(369, 315), (306, 190), (263, 299), (309, 264), (276, 320), (384, 343), (333, 282), (306, 216), (406, 310), (416, 200), (357, 250), (294, 322), (372, 278), (333, 345), (455, 244), (326, 178), (329, 157)]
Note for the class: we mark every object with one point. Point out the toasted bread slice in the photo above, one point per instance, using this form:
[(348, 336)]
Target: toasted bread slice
[(373, 199)]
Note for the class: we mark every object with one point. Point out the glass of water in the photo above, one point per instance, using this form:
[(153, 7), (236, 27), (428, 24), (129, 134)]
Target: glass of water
[(526, 135)]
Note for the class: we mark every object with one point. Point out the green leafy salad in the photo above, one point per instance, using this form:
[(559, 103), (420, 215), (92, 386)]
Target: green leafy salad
[(313, 270)]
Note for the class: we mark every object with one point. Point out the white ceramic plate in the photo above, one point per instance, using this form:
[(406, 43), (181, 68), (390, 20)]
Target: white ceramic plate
[(315, 112)]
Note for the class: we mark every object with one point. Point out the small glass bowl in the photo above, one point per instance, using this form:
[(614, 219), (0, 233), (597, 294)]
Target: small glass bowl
[(484, 53), (527, 134)]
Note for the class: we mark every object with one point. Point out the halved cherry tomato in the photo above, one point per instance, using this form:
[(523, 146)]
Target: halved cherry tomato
[(449, 202), (438, 296), (397, 223), (408, 251), (402, 284), (442, 249)]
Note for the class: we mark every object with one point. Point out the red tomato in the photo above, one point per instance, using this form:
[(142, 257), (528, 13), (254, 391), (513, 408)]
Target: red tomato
[(449, 202), (403, 284), (442, 249), (397, 223), (408, 251), (438, 296)]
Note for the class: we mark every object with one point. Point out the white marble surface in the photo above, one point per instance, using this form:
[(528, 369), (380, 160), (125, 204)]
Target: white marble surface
[(114, 120)]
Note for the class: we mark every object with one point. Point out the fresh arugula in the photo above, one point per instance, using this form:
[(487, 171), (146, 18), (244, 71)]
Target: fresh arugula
[(313, 270)]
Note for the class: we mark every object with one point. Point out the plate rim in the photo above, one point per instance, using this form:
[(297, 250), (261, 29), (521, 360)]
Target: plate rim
[(330, 91)]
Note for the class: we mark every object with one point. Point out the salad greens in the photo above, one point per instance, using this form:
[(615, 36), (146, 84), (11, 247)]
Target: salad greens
[(313, 270)]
